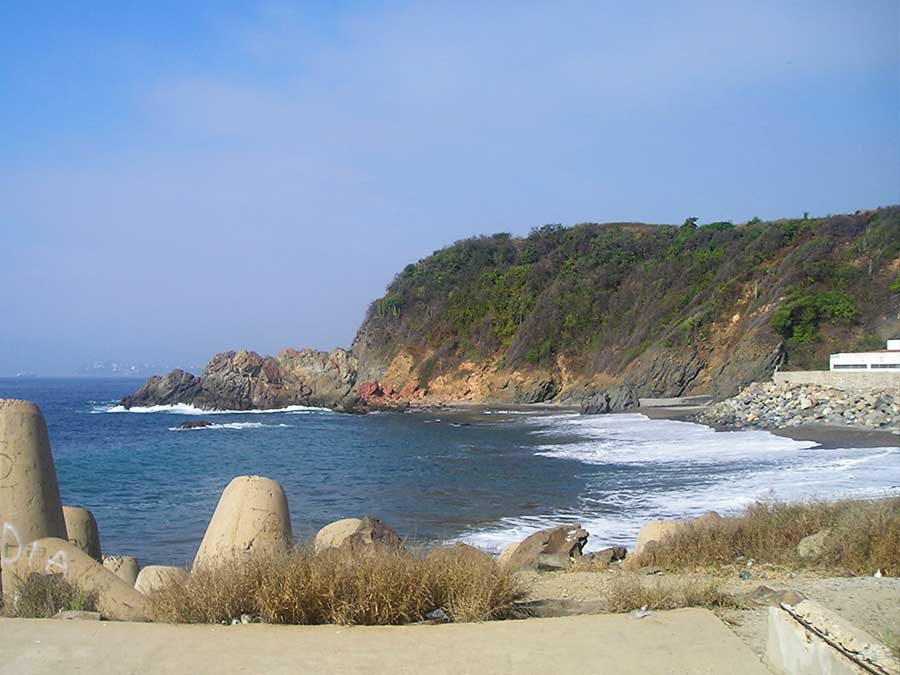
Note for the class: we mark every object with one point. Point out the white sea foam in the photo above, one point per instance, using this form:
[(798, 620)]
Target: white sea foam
[(186, 409), (234, 425), (676, 469)]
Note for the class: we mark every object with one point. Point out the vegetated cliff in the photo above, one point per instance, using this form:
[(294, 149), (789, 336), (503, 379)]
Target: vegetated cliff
[(671, 310), (564, 312)]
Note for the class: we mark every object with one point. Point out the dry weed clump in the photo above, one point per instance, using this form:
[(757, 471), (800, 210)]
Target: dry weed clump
[(864, 535), (632, 591), (373, 587), (42, 596)]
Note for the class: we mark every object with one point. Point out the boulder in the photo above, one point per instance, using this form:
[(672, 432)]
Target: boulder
[(115, 598), (251, 518), (507, 553), (156, 577), (656, 531), (609, 555), (356, 535), (553, 548), (334, 534), (30, 507), (615, 399), (813, 545), (125, 567), (82, 530), (195, 424)]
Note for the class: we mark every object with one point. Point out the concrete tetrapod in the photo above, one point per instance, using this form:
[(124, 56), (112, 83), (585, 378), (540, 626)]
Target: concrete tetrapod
[(82, 531), (30, 507), (251, 517), (156, 577), (125, 567), (115, 598)]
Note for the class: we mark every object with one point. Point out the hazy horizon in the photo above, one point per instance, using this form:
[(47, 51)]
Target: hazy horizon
[(181, 179)]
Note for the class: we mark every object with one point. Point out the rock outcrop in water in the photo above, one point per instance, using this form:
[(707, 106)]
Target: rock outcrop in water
[(245, 380)]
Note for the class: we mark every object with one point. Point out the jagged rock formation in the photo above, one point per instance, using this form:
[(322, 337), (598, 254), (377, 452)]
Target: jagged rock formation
[(566, 313), (245, 380), (615, 399)]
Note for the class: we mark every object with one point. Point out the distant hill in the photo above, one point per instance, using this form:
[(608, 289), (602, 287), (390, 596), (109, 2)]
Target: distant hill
[(673, 310)]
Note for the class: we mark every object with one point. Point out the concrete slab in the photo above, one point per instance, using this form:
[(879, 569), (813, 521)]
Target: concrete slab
[(683, 642)]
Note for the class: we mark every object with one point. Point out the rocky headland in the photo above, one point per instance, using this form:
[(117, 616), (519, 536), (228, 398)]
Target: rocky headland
[(777, 406), (244, 380), (565, 314)]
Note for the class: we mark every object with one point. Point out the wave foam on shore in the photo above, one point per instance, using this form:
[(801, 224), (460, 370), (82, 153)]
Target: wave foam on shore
[(638, 469), (234, 426)]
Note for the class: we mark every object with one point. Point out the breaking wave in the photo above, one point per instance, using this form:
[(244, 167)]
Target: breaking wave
[(637, 469), (234, 425)]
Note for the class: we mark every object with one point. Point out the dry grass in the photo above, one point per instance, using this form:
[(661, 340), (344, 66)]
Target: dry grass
[(632, 591), (43, 596), (374, 587), (864, 536)]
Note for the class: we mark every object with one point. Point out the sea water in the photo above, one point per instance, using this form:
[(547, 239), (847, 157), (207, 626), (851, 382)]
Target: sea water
[(488, 477)]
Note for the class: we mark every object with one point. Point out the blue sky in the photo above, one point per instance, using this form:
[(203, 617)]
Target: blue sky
[(181, 178)]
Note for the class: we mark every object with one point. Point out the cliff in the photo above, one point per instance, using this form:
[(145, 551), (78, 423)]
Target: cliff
[(670, 310), (564, 312)]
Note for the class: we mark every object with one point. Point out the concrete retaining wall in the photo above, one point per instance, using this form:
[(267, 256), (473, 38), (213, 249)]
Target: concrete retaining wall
[(839, 380), (809, 639)]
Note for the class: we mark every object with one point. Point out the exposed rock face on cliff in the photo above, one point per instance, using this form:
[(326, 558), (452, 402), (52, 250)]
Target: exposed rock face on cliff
[(245, 380)]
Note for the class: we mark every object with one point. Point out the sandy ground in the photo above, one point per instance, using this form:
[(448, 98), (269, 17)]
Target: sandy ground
[(872, 604), (683, 642)]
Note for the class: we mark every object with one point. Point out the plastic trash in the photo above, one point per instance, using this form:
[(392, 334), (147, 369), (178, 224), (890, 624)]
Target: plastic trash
[(641, 613), (438, 615)]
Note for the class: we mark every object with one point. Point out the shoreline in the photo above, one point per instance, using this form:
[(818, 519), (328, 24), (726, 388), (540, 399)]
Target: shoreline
[(827, 436)]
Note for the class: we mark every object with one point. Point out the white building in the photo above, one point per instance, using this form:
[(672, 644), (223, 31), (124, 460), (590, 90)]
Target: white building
[(883, 360)]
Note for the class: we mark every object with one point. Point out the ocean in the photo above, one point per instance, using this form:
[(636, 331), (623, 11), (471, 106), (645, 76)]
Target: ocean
[(487, 477)]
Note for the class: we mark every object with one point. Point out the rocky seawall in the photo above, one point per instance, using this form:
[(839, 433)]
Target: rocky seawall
[(775, 406), (244, 380)]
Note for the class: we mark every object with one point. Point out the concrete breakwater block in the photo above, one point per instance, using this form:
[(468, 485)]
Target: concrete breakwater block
[(156, 577), (115, 598), (82, 531), (30, 507), (251, 518), (125, 567)]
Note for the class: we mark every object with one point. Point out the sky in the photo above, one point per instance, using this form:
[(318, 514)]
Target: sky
[(181, 178)]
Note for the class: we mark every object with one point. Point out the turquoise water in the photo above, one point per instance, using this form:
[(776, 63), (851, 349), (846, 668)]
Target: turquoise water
[(488, 477)]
